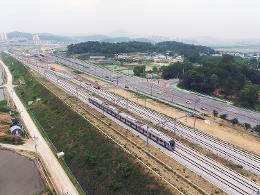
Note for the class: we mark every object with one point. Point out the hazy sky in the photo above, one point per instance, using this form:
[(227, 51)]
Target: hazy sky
[(173, 18)]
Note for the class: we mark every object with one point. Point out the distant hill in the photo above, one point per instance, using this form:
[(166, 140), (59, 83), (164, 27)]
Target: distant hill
[(43, 36), (77, 39), (109, 49), (15, 34)]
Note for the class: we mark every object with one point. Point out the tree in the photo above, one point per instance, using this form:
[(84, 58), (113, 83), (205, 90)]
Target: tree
[(139, 71), (249, 95), (155, 69), (214, 81), (226, 59)]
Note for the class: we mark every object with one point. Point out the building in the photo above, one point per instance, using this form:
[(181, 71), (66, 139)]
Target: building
[(15, 127), (36, 39), (3, 36), (16, 130)]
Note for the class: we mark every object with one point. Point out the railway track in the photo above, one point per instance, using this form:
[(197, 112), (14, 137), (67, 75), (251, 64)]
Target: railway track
[(84, 67), (222, 177), (238, 156), (251, 162)]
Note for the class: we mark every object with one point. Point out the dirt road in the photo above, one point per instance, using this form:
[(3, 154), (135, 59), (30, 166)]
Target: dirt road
[(60, 180)]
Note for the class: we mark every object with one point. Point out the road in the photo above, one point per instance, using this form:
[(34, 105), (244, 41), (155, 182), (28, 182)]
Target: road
[(210, 170), (58, 176), (169, 94)]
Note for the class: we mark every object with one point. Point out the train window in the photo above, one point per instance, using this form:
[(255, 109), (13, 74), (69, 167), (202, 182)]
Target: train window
[(140, 129), (172, 143), (161, 142)]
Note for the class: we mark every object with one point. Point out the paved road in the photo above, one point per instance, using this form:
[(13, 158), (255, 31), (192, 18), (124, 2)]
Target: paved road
[(152, 87), (59, 177), (222, 177)]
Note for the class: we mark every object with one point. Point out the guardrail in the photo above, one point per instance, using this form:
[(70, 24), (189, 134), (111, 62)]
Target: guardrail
[(200, 94)]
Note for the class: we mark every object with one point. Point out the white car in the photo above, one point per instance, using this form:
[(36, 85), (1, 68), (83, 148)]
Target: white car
[(188, 102)]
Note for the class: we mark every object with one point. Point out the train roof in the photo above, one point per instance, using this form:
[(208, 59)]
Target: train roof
[(97, 100), (159, 134), (112, 108), (133, 120)]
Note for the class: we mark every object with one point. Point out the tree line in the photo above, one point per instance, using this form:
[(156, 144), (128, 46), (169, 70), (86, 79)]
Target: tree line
[(109, 49)]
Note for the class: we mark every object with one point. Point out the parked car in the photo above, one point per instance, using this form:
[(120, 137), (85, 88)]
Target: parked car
[(188, 102)]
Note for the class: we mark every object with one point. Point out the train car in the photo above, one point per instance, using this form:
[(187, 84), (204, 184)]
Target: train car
[(151, 133)]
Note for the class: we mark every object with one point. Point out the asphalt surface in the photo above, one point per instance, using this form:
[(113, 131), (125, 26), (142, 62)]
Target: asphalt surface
[(151, 87), (215, 173)]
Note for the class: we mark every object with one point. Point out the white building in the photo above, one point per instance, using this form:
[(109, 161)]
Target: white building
[(36, 39), (16, 130), (3, 36)]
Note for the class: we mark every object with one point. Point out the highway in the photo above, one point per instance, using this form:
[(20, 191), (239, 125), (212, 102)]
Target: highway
[(151, 87), (58, 176), (215, 173)]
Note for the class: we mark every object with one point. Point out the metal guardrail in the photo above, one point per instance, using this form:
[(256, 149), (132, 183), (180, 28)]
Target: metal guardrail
[(200, 94)]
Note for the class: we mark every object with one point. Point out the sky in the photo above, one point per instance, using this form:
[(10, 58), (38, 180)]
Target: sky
[(224, 19)]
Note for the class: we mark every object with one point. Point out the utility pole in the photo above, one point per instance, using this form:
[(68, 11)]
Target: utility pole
[(195, 115), (147, 137)]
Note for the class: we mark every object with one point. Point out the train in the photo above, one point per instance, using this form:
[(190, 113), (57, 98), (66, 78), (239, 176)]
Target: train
[(154, 135)]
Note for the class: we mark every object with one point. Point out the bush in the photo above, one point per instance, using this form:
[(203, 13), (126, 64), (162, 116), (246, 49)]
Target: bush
[(115, 185), (257, 128), (4, 106), (124, 170), (215, 113), (234, 121), (247, 125), (223, 116)]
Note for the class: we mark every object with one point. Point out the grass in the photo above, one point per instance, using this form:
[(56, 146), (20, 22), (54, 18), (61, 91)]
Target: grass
[(8, 139), (4, 106), (99, 165)]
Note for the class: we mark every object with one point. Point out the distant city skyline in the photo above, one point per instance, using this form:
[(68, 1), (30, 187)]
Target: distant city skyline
[(222, 19)]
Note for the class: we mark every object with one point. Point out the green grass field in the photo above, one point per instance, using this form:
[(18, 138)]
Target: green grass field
[(100, 166)]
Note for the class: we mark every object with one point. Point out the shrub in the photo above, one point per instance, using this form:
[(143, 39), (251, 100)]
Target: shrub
[(223, 116), (124, 170), (257, 128), (234, 121), (247, 125), (215, 113), (115, 185)]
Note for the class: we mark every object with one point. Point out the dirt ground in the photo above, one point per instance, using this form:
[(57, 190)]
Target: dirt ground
[(5, 118), (174, 173), (57, 66)]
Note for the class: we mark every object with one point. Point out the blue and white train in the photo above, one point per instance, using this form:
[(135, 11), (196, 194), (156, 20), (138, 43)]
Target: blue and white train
[(153, 134)]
